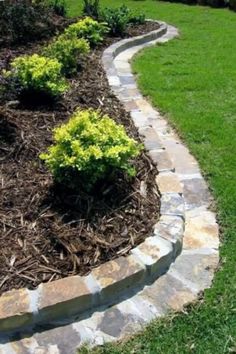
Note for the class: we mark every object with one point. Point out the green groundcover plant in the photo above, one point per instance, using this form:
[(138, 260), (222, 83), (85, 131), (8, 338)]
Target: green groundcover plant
[(89, 147), (38, 73), (67, 51)]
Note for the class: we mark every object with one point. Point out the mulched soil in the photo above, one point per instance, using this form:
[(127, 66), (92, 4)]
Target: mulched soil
[(47, 231)]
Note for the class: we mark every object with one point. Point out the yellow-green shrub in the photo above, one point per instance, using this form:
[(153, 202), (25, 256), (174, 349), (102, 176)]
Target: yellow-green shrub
[(67, 51), (89, 29), (38, 73), (89, 147)]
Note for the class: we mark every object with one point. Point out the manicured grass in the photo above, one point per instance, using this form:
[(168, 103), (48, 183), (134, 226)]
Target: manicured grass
[(193, 81)]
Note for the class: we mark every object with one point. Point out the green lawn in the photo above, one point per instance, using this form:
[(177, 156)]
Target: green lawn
[(193, 81)]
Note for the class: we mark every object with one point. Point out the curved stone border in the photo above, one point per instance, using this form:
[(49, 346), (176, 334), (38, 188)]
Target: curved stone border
[(184, 196)]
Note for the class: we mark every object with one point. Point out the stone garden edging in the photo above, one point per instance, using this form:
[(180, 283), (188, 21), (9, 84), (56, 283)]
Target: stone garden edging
[(185, 203)]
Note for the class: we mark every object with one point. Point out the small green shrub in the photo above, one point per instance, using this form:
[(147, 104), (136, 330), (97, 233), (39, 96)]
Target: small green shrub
[(91, 8), (117, 19), (89, 29), (89, 147), (38, 73), (137, 19), (67, 51), (59, 7)]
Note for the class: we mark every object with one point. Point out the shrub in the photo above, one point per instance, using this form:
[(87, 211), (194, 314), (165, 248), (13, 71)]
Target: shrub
[(137, 19), (89, 29), (117, 19), (38, 73), (88, 148), (215, 3), (59, 7), (91, 8), (24, 20), (67, 51), (232, 5)]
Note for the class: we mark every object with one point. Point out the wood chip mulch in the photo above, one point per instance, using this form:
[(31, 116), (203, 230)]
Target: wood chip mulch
[(48, 232)]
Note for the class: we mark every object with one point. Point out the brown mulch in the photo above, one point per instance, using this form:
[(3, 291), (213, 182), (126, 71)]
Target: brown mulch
[(47, 231)]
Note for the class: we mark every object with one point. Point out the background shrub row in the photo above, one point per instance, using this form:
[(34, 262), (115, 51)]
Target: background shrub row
[(213, 3)]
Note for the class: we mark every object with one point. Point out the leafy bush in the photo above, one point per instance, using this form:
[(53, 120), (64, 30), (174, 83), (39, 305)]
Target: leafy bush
[(89, 29), (38, 73), (232, 5), (67, 51), (89, 147), (117, 19), (24, 20), (137, 19), (215, 3), (91, 8), (59, 7)]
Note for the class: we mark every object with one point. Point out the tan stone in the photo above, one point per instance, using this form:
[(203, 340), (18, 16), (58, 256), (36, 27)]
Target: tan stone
[(117, 275), (181, 299), (162, 159), (168, 293), (145, 107), (130, 105), (201, 231), (184, 162), (15, 309), (169, 183), (64, 297)]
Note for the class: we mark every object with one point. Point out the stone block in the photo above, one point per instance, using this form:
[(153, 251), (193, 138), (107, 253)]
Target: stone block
[(15, 310), (156, 253), (184, 162), (196, 193), (64, 297), (201, 230), (196, 268), (172, 204), (168, 182), (151, 139), (139, 119), (171, 228), (169, 293), (116, 276), (162, 160)]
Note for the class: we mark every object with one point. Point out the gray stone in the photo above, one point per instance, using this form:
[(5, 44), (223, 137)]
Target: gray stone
[(196, 193), (139, 119), (127, 80), (114, 322), (172, 204), (151, 139), (66, 338), (171, 228), (196, 268)]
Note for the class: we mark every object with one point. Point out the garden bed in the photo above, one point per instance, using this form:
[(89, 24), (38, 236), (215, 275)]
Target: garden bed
[(49, 232)]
